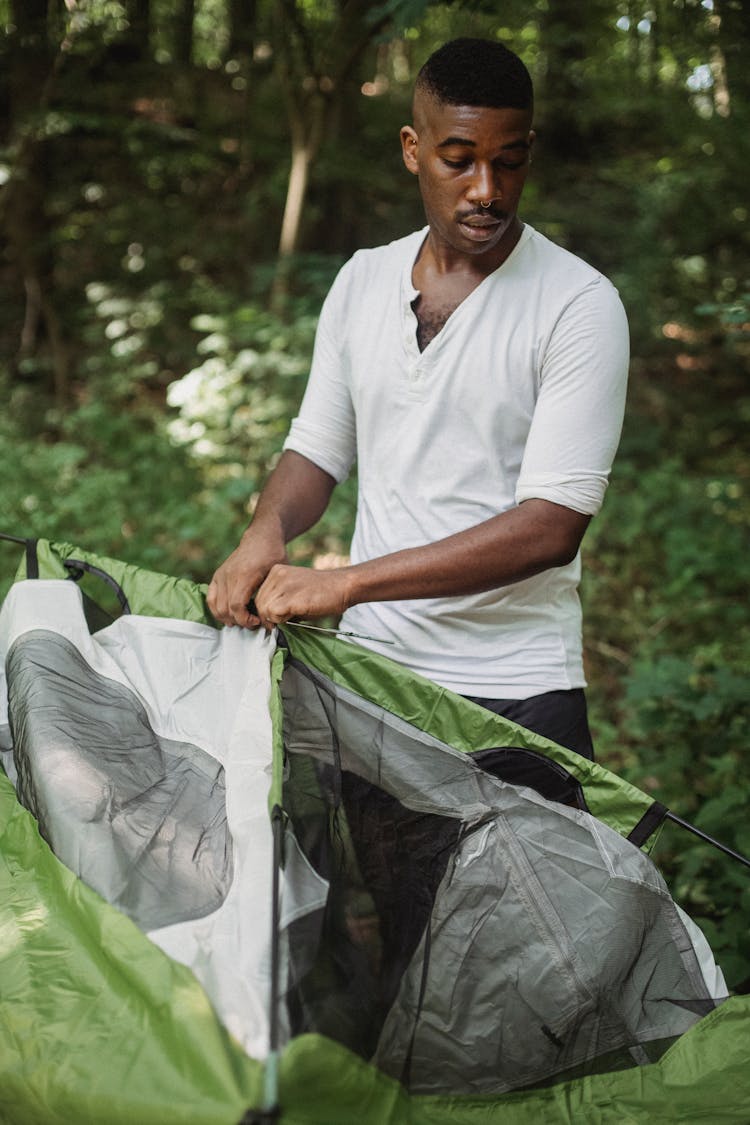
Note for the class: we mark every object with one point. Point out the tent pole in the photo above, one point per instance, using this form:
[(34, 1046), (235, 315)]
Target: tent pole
[(271, 1110), (271, 1085), (706, 838), (271, 1099)]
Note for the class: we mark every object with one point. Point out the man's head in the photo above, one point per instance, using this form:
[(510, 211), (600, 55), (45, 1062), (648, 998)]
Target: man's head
[(476, 72), (470, 145)]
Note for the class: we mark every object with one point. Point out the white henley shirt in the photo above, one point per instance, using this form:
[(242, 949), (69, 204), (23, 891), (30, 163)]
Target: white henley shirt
[(521, 394)]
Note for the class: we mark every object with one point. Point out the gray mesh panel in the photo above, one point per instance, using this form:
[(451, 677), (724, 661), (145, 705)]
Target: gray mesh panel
[(552, 944), (138, 817)]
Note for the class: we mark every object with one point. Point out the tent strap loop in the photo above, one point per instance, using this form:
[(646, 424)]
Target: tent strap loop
[(78, 567), (260, 1116), (648, 824), (32, 562)]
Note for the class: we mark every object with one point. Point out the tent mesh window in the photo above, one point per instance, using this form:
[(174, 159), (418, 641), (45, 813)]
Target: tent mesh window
[(476, 937), (138, 816)]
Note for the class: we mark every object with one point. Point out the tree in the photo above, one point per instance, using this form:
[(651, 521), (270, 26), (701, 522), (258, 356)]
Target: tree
[(34, 66), (243, 16), (139, 18), (732, 26), (183, 32), (570, 37), (318, 56)]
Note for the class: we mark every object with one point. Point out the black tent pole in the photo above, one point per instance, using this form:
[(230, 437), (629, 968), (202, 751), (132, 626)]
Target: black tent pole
[(271, 1110), (272, 1083), (706, 838)]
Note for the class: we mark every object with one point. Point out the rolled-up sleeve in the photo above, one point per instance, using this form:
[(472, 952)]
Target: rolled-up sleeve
[(578, 415), (324, 431)]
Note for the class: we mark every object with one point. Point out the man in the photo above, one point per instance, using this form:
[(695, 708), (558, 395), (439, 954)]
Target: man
[(478, 373)]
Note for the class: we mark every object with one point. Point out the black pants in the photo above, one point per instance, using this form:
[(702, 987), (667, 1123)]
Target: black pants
[(558, 715)]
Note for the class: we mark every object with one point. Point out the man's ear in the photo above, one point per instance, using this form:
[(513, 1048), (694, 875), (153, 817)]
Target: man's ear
[(409, 149)]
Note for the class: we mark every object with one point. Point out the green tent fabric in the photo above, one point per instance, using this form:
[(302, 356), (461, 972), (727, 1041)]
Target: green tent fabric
[(99, 1024)]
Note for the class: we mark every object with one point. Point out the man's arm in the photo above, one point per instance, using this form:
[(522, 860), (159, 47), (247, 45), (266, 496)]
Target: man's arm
[(507, 548), (293, 499)]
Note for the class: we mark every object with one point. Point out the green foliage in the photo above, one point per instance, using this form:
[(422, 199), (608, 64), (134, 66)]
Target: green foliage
[(104, 473), (150, 202), (733, 314), (667, 569), (232, 411), (111, 482)]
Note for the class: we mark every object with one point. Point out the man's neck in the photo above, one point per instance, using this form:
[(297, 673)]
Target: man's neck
[(444, 281), (437, 262)]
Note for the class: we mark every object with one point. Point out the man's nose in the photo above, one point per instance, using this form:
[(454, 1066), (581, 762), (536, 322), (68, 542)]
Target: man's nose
[(483, 188)]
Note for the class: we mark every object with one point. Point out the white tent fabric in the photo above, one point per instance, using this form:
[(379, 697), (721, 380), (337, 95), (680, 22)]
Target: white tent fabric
[(209, 689)]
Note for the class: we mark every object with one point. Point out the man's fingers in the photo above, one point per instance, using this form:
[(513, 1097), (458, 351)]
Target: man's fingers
[(280, 598), (294, 591), (270, 600), (269, 618), (217, 603), (232, 606), (240, 614)]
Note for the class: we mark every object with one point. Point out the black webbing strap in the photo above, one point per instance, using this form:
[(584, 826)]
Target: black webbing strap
[(32, 562), (32, 559), (76, 568), (648, 824), (260, 1116)]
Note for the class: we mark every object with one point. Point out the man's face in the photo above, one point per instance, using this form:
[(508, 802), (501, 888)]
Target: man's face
[(465, 156)]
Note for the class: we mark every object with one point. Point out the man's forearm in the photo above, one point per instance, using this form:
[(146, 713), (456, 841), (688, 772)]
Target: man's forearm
[(507, 548), (294, 497)]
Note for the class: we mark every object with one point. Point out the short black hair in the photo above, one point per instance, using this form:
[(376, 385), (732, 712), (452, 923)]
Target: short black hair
[(478, 72)]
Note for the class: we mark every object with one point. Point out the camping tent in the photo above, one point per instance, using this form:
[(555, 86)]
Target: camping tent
[(244, 881)]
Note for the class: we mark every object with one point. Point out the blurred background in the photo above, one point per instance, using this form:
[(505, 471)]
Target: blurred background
[(180, 180)]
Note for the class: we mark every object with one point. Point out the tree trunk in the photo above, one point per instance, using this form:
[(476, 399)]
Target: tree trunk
[(183, 32), (732, 24), (571, 118), (316, 71), (29, 18), (564, 36), (634, 42), (139, 17), (307, 132), (30, 231), (242, 28)]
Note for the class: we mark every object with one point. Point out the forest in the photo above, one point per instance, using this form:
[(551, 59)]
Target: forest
[(180, 181)]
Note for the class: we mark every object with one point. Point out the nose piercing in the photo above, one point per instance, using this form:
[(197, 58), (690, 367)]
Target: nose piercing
[(485, 205)]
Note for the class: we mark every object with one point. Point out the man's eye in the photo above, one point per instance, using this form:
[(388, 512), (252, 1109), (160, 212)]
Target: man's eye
[(455, 163)]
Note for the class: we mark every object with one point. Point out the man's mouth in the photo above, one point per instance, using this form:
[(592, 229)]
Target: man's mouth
[(484, 218), (479, 226)]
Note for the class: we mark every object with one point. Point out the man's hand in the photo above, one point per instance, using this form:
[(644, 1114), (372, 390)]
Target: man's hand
[(298, 591), (238, 578), (293, 499), (506, 548)]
